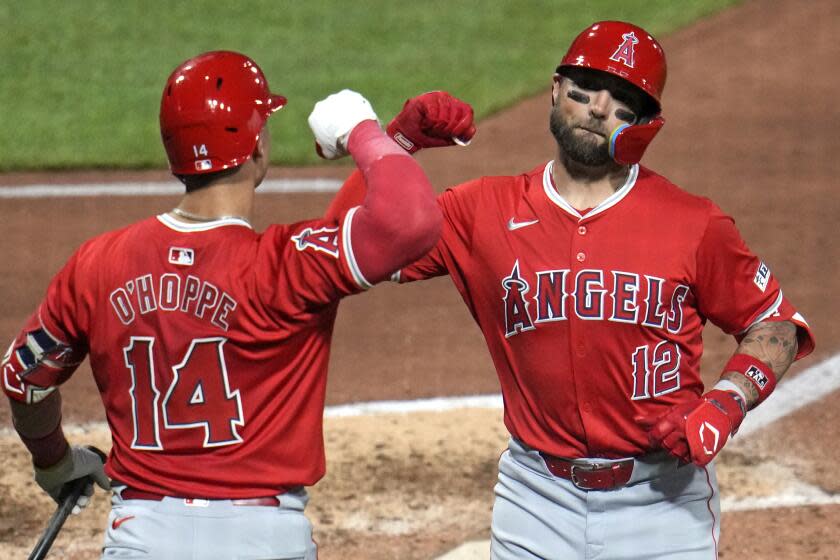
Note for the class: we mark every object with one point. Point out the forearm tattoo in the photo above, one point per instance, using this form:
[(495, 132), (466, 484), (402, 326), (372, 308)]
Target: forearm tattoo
[(775, 344)]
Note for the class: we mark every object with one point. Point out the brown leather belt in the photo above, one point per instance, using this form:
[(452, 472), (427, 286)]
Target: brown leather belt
[(591, 475), (134, 494)]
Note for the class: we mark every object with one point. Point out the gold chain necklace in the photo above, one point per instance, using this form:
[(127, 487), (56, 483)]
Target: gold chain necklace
[(196, 218)]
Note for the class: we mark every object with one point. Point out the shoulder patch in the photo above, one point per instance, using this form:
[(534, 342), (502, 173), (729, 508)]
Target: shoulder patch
[(324, 240), (762, 276)]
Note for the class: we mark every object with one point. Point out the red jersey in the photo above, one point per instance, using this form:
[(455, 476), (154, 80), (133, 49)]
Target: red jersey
[(592, 319), (208, 342)]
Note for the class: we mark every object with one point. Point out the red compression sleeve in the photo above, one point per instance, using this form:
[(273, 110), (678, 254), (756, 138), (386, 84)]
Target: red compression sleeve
[(351, 193), (399, 220)]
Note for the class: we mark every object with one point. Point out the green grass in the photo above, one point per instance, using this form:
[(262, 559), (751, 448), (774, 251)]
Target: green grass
[(82, 79)]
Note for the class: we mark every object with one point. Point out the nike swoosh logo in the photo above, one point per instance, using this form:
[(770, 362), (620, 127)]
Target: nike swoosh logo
[(117, 522), (512, 225)]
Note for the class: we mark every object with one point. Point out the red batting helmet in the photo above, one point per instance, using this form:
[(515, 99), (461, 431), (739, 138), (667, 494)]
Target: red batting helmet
[(212, 111), (621, 49)]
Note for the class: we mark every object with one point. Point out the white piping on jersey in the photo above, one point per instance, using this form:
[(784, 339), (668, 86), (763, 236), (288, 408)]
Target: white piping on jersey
[(609, 202), (348, 251), (187, 227), (769, 311)]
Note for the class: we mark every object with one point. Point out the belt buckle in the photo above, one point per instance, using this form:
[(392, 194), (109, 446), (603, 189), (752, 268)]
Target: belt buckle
[(586, 467)]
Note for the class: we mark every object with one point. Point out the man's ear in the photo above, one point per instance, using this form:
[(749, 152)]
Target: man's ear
[(260, 149), (555, 88)]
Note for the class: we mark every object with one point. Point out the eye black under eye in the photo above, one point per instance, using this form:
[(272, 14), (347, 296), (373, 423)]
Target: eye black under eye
[(578, 96), (625, 115)]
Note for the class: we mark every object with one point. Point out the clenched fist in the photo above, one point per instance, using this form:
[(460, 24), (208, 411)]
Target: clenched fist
[(696, 431), (431, 120), (334, 118)]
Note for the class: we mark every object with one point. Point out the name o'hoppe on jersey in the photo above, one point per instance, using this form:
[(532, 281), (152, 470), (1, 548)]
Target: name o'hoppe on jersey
[(196, 296)]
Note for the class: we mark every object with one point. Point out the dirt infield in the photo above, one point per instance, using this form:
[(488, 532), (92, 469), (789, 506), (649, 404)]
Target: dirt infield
[(752, 117)]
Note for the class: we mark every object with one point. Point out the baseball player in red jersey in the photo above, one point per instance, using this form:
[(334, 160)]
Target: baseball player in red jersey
[(591, 278), (209, 342)]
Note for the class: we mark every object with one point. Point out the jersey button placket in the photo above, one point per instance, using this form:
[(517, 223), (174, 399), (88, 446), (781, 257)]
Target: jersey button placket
[(578, 241), (580, 254)]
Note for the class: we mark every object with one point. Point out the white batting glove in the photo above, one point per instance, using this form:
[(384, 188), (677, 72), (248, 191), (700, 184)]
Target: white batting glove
[(334, 118), (79, 462)]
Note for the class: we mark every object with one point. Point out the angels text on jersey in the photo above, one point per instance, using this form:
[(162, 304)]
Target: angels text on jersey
[(632, 299)]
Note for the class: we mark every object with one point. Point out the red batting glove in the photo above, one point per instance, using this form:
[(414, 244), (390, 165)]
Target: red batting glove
[(696, 431), (432, 120)]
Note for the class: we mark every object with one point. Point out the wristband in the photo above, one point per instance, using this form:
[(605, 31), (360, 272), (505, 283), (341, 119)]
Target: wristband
[(726, 385), (756, 372)]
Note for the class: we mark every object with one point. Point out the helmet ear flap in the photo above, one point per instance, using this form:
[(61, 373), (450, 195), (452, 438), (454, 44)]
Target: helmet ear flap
[(629, 142)]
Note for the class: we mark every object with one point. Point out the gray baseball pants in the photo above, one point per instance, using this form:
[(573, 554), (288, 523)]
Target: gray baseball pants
[(665, 512), (178, 529)]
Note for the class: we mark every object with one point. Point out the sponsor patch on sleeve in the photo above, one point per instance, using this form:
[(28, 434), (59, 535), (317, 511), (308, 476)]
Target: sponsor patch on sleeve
[(757, 375), (762, 276)]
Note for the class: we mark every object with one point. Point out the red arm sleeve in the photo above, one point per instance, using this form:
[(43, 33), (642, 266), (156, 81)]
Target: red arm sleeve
[(352, 193), (398, 221), (457, 206)]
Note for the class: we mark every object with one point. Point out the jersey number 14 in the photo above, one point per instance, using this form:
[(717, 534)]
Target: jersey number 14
[(199, 396)]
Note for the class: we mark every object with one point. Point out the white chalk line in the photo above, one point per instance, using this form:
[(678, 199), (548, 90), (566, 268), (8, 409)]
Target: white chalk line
[(271, 186), (437, 404), (798, 494), (372, 408)]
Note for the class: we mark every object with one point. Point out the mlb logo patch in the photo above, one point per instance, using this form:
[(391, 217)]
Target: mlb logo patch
[(203, 165), (762, 276), (757, 375), (181, 256)]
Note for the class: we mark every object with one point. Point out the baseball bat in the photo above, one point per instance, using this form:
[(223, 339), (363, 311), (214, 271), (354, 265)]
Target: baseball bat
[(69, 495)]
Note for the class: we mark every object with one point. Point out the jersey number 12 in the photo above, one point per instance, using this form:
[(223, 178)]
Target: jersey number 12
[(656, 374)]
